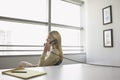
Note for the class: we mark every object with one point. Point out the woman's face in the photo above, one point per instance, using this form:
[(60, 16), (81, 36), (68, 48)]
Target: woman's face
[(49, 39)]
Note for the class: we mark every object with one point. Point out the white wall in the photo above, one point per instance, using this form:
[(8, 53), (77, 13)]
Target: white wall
[(96, 53)]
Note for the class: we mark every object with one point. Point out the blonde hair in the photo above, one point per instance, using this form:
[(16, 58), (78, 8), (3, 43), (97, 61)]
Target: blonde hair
[(57, 36)]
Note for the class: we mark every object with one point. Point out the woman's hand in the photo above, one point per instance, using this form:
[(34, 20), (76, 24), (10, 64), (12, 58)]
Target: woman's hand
[(47, 47)]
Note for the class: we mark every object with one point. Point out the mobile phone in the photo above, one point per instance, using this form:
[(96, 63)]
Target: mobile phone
[(53, 41)]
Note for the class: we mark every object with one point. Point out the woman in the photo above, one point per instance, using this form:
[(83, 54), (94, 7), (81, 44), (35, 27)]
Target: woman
[(52, 53)]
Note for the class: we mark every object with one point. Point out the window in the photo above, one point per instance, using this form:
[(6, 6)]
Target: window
[(24, 26), (25, 9), (65, 13), (20, 34), (66, 16), (70, 40)]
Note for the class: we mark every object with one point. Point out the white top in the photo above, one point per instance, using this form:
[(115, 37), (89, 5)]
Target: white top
[(49, 59)]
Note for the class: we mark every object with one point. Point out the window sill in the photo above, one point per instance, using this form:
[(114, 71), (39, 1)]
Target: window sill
[(39, 55)]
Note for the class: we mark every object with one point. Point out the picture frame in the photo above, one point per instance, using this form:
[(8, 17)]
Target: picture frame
[(107, 15), (108, 38)]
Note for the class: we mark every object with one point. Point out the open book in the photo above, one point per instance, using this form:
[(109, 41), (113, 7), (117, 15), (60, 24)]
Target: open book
[(23, 73)]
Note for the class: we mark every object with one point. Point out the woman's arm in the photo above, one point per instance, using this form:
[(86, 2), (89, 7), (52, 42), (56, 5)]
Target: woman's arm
[(23, 64), (46, 48), (42, 59), (52, 59)]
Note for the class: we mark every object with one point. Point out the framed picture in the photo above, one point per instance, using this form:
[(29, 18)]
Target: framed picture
[(107, 15), (108, 38)]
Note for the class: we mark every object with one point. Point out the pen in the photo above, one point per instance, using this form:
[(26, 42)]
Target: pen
[(18, 71)]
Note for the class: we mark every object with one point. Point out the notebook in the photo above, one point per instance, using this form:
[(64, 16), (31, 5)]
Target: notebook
[(24, 73)]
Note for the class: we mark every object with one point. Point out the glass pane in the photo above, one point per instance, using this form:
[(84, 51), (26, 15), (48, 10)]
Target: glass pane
[(20, 53), (22, 34), (19, 33), (70, 37), (72, 50), (65, 13), (71, 40), (25, 9)]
